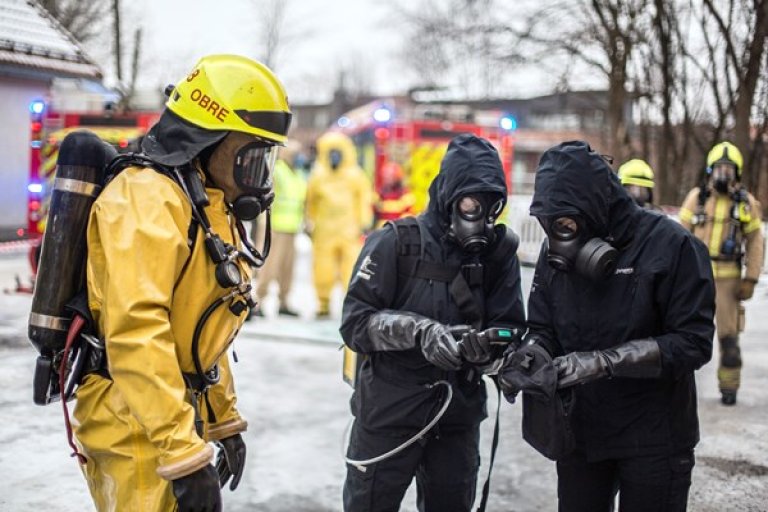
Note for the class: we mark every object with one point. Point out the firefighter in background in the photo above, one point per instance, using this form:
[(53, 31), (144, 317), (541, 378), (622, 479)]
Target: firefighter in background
[(287, 220), (144, 420), (637, 178), (394, 199), (723, 215), (339, 210)]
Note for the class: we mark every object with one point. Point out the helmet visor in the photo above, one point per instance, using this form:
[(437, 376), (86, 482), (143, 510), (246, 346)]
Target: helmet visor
[(254, 163)]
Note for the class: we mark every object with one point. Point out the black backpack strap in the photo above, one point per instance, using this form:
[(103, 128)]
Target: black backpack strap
[(408, 243), (443, 273), (409, 261), (471, 307)]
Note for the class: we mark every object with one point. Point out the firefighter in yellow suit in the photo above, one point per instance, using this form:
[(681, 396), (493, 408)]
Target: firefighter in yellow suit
[(145, 420), (726, 218), (339, 208)]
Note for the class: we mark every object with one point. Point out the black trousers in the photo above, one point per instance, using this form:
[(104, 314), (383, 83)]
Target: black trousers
[(646, 484), (445, 466)]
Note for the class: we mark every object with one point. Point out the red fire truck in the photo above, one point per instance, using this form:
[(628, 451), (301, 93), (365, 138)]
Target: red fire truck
[(386, 133), (48, 128)]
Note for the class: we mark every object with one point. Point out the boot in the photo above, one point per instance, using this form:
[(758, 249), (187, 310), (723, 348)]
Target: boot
[(286, 311), (324, 311), (728, 397)]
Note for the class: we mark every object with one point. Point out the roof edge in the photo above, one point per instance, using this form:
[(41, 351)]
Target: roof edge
[(86, 59)]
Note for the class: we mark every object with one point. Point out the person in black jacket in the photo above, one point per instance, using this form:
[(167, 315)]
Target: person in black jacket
[(623, 299), (401, 317)]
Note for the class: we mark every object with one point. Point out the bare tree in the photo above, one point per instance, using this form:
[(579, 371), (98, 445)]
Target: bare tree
[(696, 71), (743, 55), (135, 61), (461, 44), (82, 18), (484, 37), (731, 61), (661, 84), (270, 19), (358, 77), (602, 34), (126, 85), (117, 48)]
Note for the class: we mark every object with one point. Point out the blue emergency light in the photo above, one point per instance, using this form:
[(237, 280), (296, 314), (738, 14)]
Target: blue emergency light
[(37, 107), (382, 115), (35, 188), (508, 123), (343, 122)]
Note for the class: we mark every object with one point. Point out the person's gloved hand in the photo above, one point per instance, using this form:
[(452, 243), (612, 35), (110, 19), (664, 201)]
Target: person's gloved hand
[(528, 369), (580, 368), (746, 289), (439, 346), (198, 491), (475, 348), (635, 359), (230, 461)]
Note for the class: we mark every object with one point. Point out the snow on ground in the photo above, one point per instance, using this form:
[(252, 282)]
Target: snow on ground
[(290, 389)]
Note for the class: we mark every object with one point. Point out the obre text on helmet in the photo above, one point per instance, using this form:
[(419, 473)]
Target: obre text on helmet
[(210, 106)]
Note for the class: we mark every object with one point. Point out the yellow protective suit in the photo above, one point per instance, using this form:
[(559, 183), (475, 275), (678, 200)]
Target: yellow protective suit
[(728, 272), (339, 208), (147, 292)]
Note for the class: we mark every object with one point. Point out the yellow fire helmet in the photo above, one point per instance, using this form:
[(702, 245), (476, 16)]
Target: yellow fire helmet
[(726, 152), (636, 172), (233, 93)]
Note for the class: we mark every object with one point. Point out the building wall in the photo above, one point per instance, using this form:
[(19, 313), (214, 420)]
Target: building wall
[(15, 97)]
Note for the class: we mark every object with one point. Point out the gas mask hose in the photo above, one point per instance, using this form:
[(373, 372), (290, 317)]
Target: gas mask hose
[(199, 330), (361, 464), (252, 255)]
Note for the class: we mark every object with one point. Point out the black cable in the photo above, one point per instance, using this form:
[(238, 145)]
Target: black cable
[(196, 339)]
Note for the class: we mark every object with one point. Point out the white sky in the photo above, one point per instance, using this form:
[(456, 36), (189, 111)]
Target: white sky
[(324, 37)]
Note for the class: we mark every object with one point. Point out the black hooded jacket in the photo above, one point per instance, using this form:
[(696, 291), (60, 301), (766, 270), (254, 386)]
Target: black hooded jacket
[(391, 392), (662, 288)]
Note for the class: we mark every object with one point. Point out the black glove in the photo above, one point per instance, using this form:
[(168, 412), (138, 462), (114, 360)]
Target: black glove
[(402, 330), (528, 369), (395, 330), (440, 347), (476, 348), (199, 491), (230, 461), (639, 359)]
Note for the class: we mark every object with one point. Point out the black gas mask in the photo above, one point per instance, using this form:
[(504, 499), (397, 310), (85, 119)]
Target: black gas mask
[(335, 157), (573, 248), (253, 175), (723, 175), (472, 220), (641, 195)]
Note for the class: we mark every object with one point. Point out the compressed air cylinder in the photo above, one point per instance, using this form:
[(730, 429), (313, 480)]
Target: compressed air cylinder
[(82, 160)]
